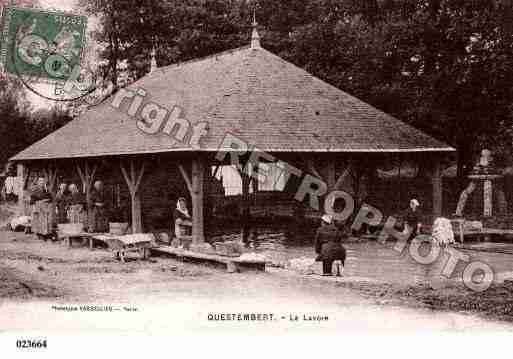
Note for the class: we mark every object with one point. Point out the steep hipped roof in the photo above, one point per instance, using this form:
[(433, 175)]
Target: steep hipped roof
[(250, 93)]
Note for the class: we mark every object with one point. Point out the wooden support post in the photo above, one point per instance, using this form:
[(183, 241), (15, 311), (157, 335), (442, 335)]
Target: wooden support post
[(22, 175), (133, 181), (245, 205), (310, 164), (331, 178), (399, 192), (50, 174), (437, 188), (208, 205), (87, 177), (255, 185), (197, 185)]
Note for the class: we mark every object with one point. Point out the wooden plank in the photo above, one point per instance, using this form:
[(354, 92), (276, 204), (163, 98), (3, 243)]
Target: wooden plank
[(210, 257), (192, 255)]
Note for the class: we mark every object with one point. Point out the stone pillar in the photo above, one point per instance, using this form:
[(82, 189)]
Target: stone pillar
[(437, 188), (487, 198)]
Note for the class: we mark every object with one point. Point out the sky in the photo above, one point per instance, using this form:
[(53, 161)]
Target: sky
[(66, 5)]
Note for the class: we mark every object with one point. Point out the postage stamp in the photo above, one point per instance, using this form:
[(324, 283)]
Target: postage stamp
[(41, 45)]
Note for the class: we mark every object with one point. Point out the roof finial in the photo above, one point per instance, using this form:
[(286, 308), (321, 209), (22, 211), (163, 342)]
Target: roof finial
[(255, 38), (153, 64)]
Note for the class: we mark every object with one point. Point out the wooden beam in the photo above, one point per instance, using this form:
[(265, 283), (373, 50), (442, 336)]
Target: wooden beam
[(437, 188), (245, 206), (21, 178), (311, 167), (331, 179), (125, 176), (186, 178), (133, 181), (198, 171), (343, 176), (87, 175), (95, 167), (80, 174), (139, 178), (51, 175)]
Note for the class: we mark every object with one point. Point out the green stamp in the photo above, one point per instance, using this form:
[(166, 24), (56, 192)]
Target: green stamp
[(40, 44)]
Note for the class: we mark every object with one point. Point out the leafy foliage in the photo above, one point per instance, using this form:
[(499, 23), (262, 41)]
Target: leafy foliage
[(441, 65), (20, 125)]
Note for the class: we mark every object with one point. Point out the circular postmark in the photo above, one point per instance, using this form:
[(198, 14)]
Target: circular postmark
[(54, 76)]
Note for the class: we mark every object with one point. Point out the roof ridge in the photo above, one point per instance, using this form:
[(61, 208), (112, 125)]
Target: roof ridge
[(187, 62)]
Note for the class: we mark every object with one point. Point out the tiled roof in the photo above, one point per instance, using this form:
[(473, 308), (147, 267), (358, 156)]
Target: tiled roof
[(250, 93)]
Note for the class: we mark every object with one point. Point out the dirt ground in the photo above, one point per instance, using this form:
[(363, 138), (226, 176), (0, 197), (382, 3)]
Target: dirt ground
[(36, 276)]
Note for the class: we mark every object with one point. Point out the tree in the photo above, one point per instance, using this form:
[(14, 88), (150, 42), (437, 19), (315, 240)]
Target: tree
[(14, 110), (441, 65)]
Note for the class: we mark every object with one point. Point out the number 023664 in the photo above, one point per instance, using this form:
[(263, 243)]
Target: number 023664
[(31, 343)]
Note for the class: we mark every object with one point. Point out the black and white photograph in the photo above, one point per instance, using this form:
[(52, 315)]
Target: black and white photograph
[(258, 167)]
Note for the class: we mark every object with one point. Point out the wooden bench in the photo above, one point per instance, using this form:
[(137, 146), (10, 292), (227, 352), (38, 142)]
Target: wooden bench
[(233, 264)]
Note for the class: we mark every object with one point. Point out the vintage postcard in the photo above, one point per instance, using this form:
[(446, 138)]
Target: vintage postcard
[(41, 44), (257, 167)]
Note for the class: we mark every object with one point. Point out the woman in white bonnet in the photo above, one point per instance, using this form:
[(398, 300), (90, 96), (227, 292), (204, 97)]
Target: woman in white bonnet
[(413, 222), (182, 219)]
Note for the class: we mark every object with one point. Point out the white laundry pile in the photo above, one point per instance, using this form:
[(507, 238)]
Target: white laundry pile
[(304, 265), (442, 231), (10, 185), (252, 257)]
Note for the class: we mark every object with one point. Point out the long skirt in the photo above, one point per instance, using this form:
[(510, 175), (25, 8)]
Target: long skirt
[(98, 220), (43, 217), (183, 229)]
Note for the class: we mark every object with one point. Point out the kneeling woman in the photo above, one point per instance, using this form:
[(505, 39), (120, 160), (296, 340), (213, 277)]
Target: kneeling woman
[(328, 245)]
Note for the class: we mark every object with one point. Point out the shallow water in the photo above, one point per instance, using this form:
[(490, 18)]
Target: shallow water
[(371, 259)]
